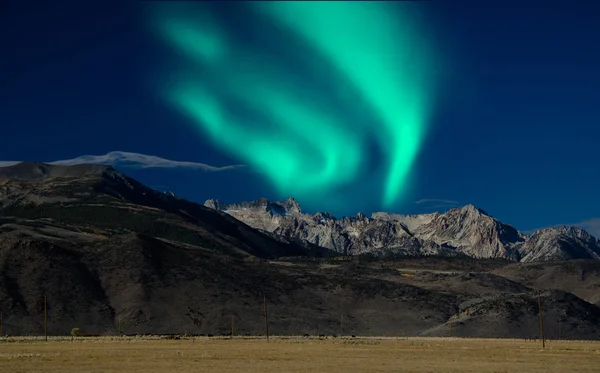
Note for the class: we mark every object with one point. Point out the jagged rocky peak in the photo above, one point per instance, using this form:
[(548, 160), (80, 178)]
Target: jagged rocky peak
[(560, 243), (214, 204), (285, 207), (412, 222), (566, 230), (360, 217), (291, 206), (468, 210), (260, 203), (473, 232), (324, 216), (575, 231), (468, 230)]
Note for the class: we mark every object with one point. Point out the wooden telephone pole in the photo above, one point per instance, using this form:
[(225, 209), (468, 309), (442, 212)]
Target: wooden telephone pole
[(541, 320), (266, 316), (45, 320), (231, 326), (341, 318)]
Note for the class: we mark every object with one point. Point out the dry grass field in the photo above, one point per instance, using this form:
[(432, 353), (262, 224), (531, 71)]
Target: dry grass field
[(298, 355)]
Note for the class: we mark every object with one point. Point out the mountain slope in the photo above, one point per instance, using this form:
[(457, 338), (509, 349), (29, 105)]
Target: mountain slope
[(147, 285), (459, 231), (104, 250), (357, 235), (412, 222), (562, 243), (92, 197), (472, 232), (465, 230), (36, 171), (579, 277)]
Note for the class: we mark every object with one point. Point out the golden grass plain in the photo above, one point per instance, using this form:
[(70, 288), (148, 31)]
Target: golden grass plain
[(297, 355)]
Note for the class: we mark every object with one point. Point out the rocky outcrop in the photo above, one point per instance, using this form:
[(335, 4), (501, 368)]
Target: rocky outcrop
[(466, 230), (356, 235), (473, 232), (562, 243)]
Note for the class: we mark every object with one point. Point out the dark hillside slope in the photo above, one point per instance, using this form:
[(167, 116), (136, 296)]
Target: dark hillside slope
[(98, 197), (30, 270), (152, 286), (158, 287), (580, 277), (36, 171)]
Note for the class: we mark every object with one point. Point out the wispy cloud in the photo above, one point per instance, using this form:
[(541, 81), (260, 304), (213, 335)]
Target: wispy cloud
[(436, 201), (135, 160)]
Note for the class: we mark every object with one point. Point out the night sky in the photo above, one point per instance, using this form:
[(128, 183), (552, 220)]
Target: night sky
[(406, 107)]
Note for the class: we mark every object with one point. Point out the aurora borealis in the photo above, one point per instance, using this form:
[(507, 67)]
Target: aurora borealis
[(315, 98), (505, 119)]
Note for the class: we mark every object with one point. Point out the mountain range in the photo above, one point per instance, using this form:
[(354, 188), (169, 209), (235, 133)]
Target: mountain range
[(105, 253), (460, 231)]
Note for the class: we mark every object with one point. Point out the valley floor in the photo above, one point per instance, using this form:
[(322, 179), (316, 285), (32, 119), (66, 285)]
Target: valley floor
[(297, 355)]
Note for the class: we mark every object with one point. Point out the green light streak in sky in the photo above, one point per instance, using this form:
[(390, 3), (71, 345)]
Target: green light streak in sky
[(258, 110), (373, 44), (191, 39)]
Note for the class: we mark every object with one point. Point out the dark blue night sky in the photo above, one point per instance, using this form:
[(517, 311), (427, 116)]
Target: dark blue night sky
[(514, 130)]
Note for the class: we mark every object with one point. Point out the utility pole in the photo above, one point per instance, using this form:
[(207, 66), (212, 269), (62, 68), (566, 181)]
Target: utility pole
[(341, 318), (231, 326), (45, 320), (450, 328), (266, 316), (541, 320)]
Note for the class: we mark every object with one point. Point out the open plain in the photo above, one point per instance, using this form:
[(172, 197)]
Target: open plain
[(297, 355)]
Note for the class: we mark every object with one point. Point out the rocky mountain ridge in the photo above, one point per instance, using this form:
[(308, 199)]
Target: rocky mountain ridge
[(562, 243), (112, 255), (466, 230), (96, 198)]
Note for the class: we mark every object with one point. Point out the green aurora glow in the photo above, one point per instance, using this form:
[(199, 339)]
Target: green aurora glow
[(261, 110)]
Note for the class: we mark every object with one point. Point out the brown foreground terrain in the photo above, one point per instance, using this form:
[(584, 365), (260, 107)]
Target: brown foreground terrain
[(298, 355)]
